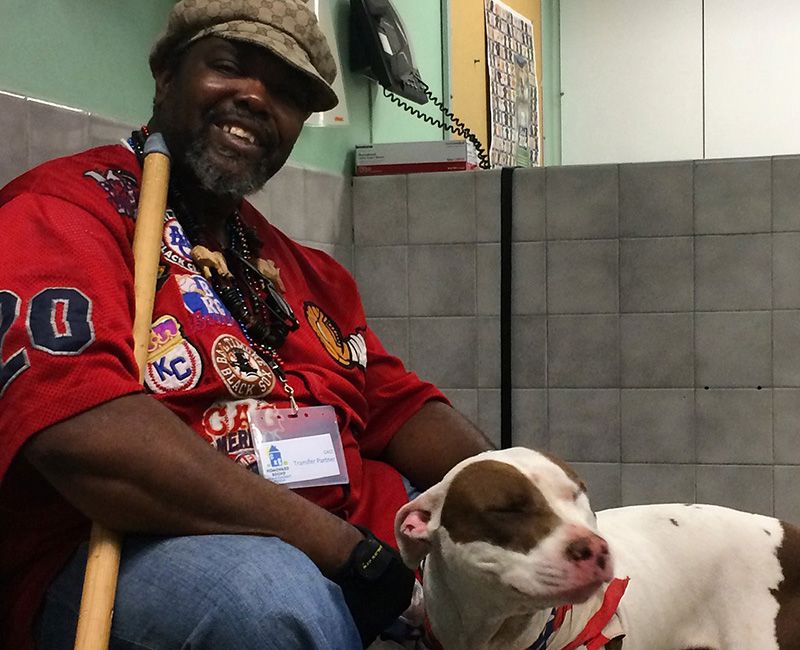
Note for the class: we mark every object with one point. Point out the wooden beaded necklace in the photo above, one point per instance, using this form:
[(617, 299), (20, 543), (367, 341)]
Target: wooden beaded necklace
[(245, 284)]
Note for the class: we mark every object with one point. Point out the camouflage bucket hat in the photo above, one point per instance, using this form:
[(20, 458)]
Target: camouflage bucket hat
[(287, 28)]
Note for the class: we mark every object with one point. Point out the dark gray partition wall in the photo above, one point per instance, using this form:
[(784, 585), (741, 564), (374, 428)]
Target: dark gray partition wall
[(656, 330)]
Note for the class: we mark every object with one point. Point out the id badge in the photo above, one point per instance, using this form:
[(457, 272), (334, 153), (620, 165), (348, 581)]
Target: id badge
[(299, 449)]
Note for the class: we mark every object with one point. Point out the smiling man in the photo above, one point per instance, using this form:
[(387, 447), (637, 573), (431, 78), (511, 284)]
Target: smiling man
[(240, 529)]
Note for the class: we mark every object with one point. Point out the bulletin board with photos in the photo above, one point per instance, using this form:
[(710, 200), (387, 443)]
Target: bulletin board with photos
[(513, 88)]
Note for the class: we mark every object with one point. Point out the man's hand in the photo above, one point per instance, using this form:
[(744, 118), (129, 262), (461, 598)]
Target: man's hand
[(376, 584)]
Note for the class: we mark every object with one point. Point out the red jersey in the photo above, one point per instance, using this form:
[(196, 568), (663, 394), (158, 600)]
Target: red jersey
[(66, 316)]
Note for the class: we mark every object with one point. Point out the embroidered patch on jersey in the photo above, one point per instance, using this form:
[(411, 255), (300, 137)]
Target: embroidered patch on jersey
[(244, 373), (172, 362), (201, 300), (175, 247), (348, 352), (226, 426), (121, 187)]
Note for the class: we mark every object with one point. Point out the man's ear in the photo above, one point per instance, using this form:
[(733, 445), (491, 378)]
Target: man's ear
[(164, 79), (415, 524)]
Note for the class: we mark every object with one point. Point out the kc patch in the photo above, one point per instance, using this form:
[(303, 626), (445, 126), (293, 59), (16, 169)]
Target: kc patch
[(175, 247), (172, 362), (348, 352), (244, 373), (202, 301), (120, 186)]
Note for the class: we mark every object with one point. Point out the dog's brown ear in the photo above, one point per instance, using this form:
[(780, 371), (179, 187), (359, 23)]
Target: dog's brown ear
[(413, 526)]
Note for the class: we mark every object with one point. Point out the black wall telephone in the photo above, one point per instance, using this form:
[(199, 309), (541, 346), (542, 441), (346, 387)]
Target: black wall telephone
[(379, 49)]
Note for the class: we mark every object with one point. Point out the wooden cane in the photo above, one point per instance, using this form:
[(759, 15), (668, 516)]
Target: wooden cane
[(102, 565)]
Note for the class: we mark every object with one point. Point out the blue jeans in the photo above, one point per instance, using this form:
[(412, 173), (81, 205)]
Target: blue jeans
[(212, 591)]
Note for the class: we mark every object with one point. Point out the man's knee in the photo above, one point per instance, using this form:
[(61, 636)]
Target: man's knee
[(275, 595)]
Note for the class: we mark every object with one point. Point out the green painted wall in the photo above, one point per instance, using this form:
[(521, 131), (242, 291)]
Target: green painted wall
[(92, 54), (390, 123)]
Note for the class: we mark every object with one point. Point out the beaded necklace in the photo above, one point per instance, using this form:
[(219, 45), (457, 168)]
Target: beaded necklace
[(263, 314)]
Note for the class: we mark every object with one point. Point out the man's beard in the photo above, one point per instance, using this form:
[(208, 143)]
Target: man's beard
[(219, 181)]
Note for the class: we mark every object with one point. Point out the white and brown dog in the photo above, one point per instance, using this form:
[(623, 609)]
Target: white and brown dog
[(516, 559)]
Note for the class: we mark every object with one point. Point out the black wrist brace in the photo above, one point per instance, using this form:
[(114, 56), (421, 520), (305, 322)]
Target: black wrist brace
[(376, 584)]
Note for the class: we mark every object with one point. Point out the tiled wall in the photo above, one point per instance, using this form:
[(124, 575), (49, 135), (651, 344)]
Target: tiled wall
[(656, 333), (311, 206), (656, 307)]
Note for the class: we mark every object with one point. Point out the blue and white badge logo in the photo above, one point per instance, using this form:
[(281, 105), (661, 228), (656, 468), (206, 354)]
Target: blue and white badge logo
[(175, 247), (172, 362), (201, 300), (275, 457)]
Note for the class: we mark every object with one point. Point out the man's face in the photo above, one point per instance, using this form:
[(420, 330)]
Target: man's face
[(230, 113)]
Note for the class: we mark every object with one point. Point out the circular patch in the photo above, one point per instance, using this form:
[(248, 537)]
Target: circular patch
[(244, 373), (329, 334)]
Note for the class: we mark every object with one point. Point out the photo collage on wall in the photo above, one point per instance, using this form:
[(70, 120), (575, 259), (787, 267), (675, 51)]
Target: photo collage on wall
[(513, 88)]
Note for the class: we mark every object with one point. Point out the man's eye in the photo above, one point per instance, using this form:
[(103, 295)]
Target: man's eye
[(226, 66)]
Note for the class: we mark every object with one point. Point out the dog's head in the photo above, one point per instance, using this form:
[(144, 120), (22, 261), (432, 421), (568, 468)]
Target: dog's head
[(515, 518)]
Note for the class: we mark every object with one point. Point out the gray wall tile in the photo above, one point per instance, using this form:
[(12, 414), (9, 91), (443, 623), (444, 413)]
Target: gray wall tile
[(584, 424), (489, 414), (656, 199), (489, 352), (787, 496), (382, 277), (733, 349), (733, 272), (786, 344), (14, 127), (529, 204), (527, 278), (328, 207), (602, 482), (735, 486), (465, 401), (786, 270), (487, 205), (393, 334), (582, 277), (442, 350), (442, 280), (488, 279), (528, 350), (583, 351), (286, 200), (55, 131), (103, 131), (734, 426), (657, 483), (656, 274), (786, 193), (343, 253), (582, 202), (657, 426), (786, 425), (656, 350), (380, 210), (441, 208), (733, 196), (528, 417)]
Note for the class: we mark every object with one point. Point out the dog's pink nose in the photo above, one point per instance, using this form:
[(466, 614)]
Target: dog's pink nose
[(588, 548)]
